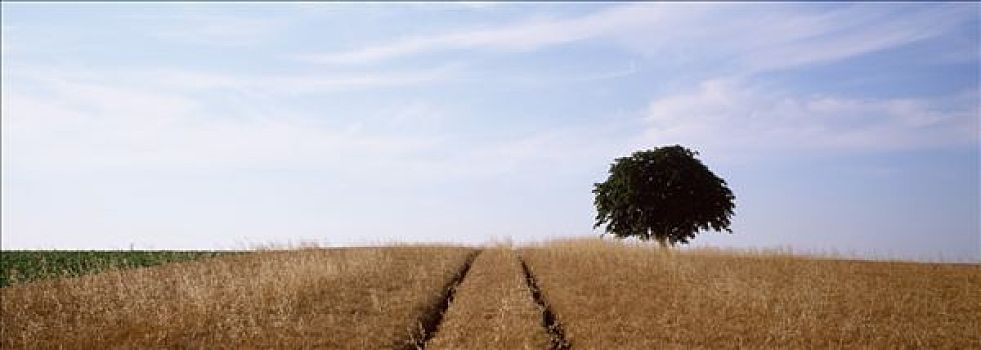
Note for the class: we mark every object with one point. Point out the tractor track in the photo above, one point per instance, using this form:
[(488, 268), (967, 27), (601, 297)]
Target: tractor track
[(430, 321), (552, 326)]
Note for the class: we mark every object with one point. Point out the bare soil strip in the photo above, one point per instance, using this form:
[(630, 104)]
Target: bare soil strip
[(430, 320), (493, 308), (554, 328)]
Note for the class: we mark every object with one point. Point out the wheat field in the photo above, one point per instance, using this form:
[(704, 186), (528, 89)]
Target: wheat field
[(313, 298), (582, 294), (609, 295)]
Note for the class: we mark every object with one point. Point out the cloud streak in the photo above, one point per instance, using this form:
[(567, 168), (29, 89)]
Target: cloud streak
[(317, 83), (756, 37), (734, 117), (77, 120), (523, 36), (211, 29), (81, 124)]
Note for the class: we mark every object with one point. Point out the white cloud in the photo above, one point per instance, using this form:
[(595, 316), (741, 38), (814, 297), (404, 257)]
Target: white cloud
[(751, 37), (843, 33), (61, 120), (731, 117), (80, 124), (317, 83), (527, 35), (191, 81), (211, 29)]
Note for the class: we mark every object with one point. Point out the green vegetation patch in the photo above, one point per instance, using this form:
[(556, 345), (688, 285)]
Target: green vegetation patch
[(18, 266)]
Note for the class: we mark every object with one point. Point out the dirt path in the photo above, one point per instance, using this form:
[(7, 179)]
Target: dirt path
[(431, 320), (555, 331), (495, 308)]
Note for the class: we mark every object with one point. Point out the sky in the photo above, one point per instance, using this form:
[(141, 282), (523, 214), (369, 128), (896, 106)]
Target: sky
[(848, 128)]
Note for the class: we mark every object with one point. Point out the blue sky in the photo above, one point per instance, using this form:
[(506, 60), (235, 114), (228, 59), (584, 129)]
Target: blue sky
[(840, 127)]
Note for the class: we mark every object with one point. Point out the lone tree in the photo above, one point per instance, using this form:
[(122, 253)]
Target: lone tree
[(666, 194)]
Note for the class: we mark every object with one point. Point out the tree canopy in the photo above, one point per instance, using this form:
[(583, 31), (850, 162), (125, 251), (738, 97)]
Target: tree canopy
[(665, 194)]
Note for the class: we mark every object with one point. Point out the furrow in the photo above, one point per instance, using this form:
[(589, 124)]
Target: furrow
[(430, 321), (493, 308), (554, 328)]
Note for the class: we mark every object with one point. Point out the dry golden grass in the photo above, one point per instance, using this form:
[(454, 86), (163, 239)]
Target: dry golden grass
[(347, 298), (605, 295), (493, 308), (609, 295)]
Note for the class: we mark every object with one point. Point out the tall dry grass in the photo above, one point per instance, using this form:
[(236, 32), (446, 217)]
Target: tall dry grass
[(345, 298), (609, 295), (493, 308)]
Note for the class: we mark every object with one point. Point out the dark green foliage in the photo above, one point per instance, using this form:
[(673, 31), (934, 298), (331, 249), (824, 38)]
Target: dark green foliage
[(28, 265), (664, 194)]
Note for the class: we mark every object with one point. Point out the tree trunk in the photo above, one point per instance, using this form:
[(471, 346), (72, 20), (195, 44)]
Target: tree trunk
[(663, 241)]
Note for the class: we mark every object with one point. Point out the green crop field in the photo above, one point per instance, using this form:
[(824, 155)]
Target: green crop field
[(25, 266)]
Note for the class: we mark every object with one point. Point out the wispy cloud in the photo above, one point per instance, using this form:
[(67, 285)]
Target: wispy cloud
[(189, 81), (755, 37), (526, 35), (211, 29), (843, 33), (85, 124), (317, 83), (734, 117), (79, 120)]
